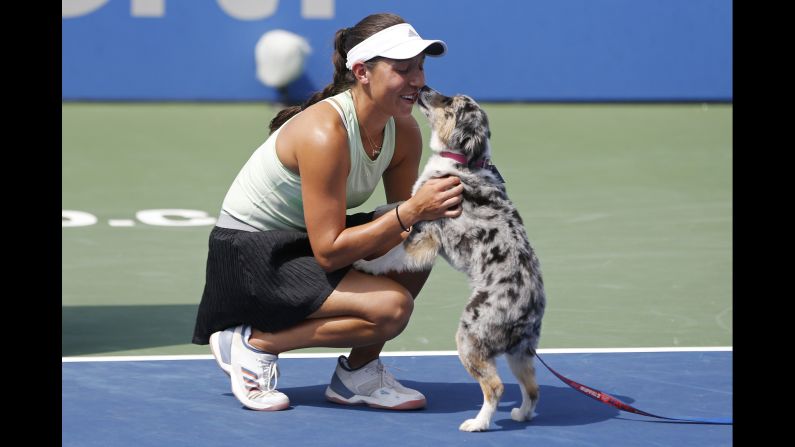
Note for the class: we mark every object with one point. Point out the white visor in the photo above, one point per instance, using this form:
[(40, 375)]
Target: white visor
[(400, 41)]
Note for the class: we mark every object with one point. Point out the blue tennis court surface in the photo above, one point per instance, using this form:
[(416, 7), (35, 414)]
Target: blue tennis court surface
[(189, 402)]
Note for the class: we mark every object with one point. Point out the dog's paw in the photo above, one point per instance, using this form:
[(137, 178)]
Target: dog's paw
[(366, 266), (392, 261), (518, 415), (377, 266), (474, 425)]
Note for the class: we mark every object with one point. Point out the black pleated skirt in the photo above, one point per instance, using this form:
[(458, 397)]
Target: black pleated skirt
[(269, 280)]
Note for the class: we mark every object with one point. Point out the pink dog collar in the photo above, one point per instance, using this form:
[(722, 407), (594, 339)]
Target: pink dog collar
[(482, 163)]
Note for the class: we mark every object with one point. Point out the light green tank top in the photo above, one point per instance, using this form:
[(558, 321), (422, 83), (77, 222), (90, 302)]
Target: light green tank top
[(267, 195)]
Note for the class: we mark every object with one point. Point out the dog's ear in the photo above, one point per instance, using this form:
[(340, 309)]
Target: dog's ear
[(471, 131)]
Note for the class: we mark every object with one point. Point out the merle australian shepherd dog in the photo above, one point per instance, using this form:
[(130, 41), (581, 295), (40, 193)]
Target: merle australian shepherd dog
[(488, 243)]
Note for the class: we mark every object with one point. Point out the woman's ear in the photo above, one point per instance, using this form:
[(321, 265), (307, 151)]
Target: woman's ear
[(360, 72)]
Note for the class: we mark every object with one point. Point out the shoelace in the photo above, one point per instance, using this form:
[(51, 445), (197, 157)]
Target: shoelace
[(387, 379), (270, 375)]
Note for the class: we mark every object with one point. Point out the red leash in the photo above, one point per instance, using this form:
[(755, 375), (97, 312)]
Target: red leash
[(612, 401)]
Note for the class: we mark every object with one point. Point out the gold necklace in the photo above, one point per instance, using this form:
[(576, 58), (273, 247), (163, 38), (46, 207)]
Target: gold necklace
[(376, 149)]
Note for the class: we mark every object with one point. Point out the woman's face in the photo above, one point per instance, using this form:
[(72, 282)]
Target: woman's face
[(395, 84)]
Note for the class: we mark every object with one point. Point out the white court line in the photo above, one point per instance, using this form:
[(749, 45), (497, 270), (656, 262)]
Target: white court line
[(139, 358)]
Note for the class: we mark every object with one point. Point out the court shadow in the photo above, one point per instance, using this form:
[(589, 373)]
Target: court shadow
[(559, 406), (97, 329)]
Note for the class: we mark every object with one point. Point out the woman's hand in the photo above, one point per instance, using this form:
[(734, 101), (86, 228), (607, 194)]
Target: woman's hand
[(437, 198)]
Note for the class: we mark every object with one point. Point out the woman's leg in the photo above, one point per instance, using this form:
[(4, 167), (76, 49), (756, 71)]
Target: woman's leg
[(363, 312), (413, 282)]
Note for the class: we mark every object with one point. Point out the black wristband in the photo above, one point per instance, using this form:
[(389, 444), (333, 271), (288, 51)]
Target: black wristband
[(407, 230)]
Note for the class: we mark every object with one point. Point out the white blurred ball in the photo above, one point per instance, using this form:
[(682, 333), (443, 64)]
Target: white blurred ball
[(280, 57)]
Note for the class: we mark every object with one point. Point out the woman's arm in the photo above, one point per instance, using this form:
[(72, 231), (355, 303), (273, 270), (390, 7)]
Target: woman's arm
[(320, 144)]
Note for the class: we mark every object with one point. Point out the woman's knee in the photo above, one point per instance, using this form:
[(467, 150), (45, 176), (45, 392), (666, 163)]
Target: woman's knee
[(393, 311), (379, 300)]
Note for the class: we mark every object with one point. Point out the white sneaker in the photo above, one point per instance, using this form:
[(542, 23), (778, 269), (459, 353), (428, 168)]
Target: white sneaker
[(254, 375), (221, 347), (371, 385)]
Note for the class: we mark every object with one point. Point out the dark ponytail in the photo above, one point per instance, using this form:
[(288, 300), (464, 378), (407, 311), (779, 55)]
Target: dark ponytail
[(344, 40)]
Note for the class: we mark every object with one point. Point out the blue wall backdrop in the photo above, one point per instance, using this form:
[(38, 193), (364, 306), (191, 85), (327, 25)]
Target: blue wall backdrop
[(499, 50)]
